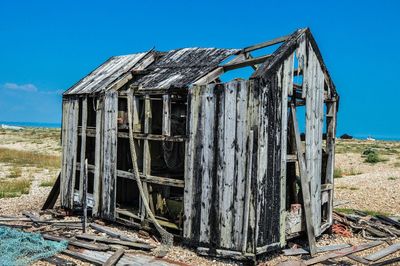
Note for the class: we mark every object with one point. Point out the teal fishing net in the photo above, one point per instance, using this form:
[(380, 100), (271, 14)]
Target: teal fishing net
[(19, 248)]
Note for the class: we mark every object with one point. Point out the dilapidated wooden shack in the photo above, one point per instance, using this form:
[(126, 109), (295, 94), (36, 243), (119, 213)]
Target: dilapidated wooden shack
[(222, 165)]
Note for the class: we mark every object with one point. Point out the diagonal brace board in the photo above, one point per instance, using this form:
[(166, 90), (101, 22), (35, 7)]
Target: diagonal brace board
[(305, 184)]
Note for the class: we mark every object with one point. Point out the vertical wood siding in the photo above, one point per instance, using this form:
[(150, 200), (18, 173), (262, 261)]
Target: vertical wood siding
[(69, 148), (218, 211), (109, 164)]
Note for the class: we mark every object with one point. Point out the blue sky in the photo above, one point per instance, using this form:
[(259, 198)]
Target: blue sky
[(46, 46)]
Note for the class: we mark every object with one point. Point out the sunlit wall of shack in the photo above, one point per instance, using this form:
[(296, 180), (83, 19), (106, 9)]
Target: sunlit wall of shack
[(224, 166)]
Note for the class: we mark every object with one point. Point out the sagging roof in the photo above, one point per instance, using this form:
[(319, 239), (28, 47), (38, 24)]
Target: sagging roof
[(179, 68), (175, 69), (105, 74)]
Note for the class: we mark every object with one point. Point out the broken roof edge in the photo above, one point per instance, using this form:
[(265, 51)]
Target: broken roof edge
[(70, 90), (285, 50)]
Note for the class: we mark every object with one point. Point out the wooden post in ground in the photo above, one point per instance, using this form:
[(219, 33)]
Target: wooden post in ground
[(84, 196)]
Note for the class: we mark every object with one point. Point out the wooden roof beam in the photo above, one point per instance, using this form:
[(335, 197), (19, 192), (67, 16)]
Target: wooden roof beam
[(244, 63), (265, 44), (238, 62)]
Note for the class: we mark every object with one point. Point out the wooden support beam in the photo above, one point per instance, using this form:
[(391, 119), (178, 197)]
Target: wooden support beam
[(98, 158), (84, 197), (212, 75), (147, 152), (83, 145), (265, 44), (166, 119), (305, 183), (248, 62)]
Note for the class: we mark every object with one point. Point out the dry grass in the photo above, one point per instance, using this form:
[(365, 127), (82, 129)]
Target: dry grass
[(14, 172), (47, 183), (27, 158), (14, 188)]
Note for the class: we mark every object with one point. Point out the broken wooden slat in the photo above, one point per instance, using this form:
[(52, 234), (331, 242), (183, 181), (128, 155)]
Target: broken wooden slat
[(300, 251), (113, 260), (358, 259), (343, 252), (111, 233), (386, 262), (304, 182), (98, 247), (383, 252), (83, 257), (58, 261), (53, 195), (115, 241), (388, 220)]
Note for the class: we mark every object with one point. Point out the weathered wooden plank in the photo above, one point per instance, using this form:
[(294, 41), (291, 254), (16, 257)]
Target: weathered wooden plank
[(53, 195), (207, 124), (265, 44), (98, 159), (83, 257), (113, 260), (304, 182), (146, 154), (226, 163), (85, 178), (242, 132), (330, 149), (286, 86), (342, 252), (109, 164), (83, 146), (81, 244), (248, 191), (115, 241), (301, 251), (70, 141), (166, 119), (383, 252), (192, 125)]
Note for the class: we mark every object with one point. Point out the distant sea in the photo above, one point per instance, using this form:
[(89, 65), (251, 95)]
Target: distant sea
[(31, 124)]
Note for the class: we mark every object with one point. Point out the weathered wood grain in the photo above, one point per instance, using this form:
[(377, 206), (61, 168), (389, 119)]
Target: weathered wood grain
[(109, 164), (98, 157)]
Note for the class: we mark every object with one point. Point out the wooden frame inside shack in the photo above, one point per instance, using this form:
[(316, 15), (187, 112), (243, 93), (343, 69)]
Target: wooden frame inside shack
[(222, 165)]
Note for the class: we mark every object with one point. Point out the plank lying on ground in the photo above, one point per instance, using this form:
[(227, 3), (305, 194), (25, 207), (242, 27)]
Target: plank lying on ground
[(300, 251), (98, 247), (115, 257), (14, 219), (111, 233), (389, 220), (386, 262), (80, 256), (16, 225), (358, 259), (115, 241), (383, 252), (343, 252), (59, 261)]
